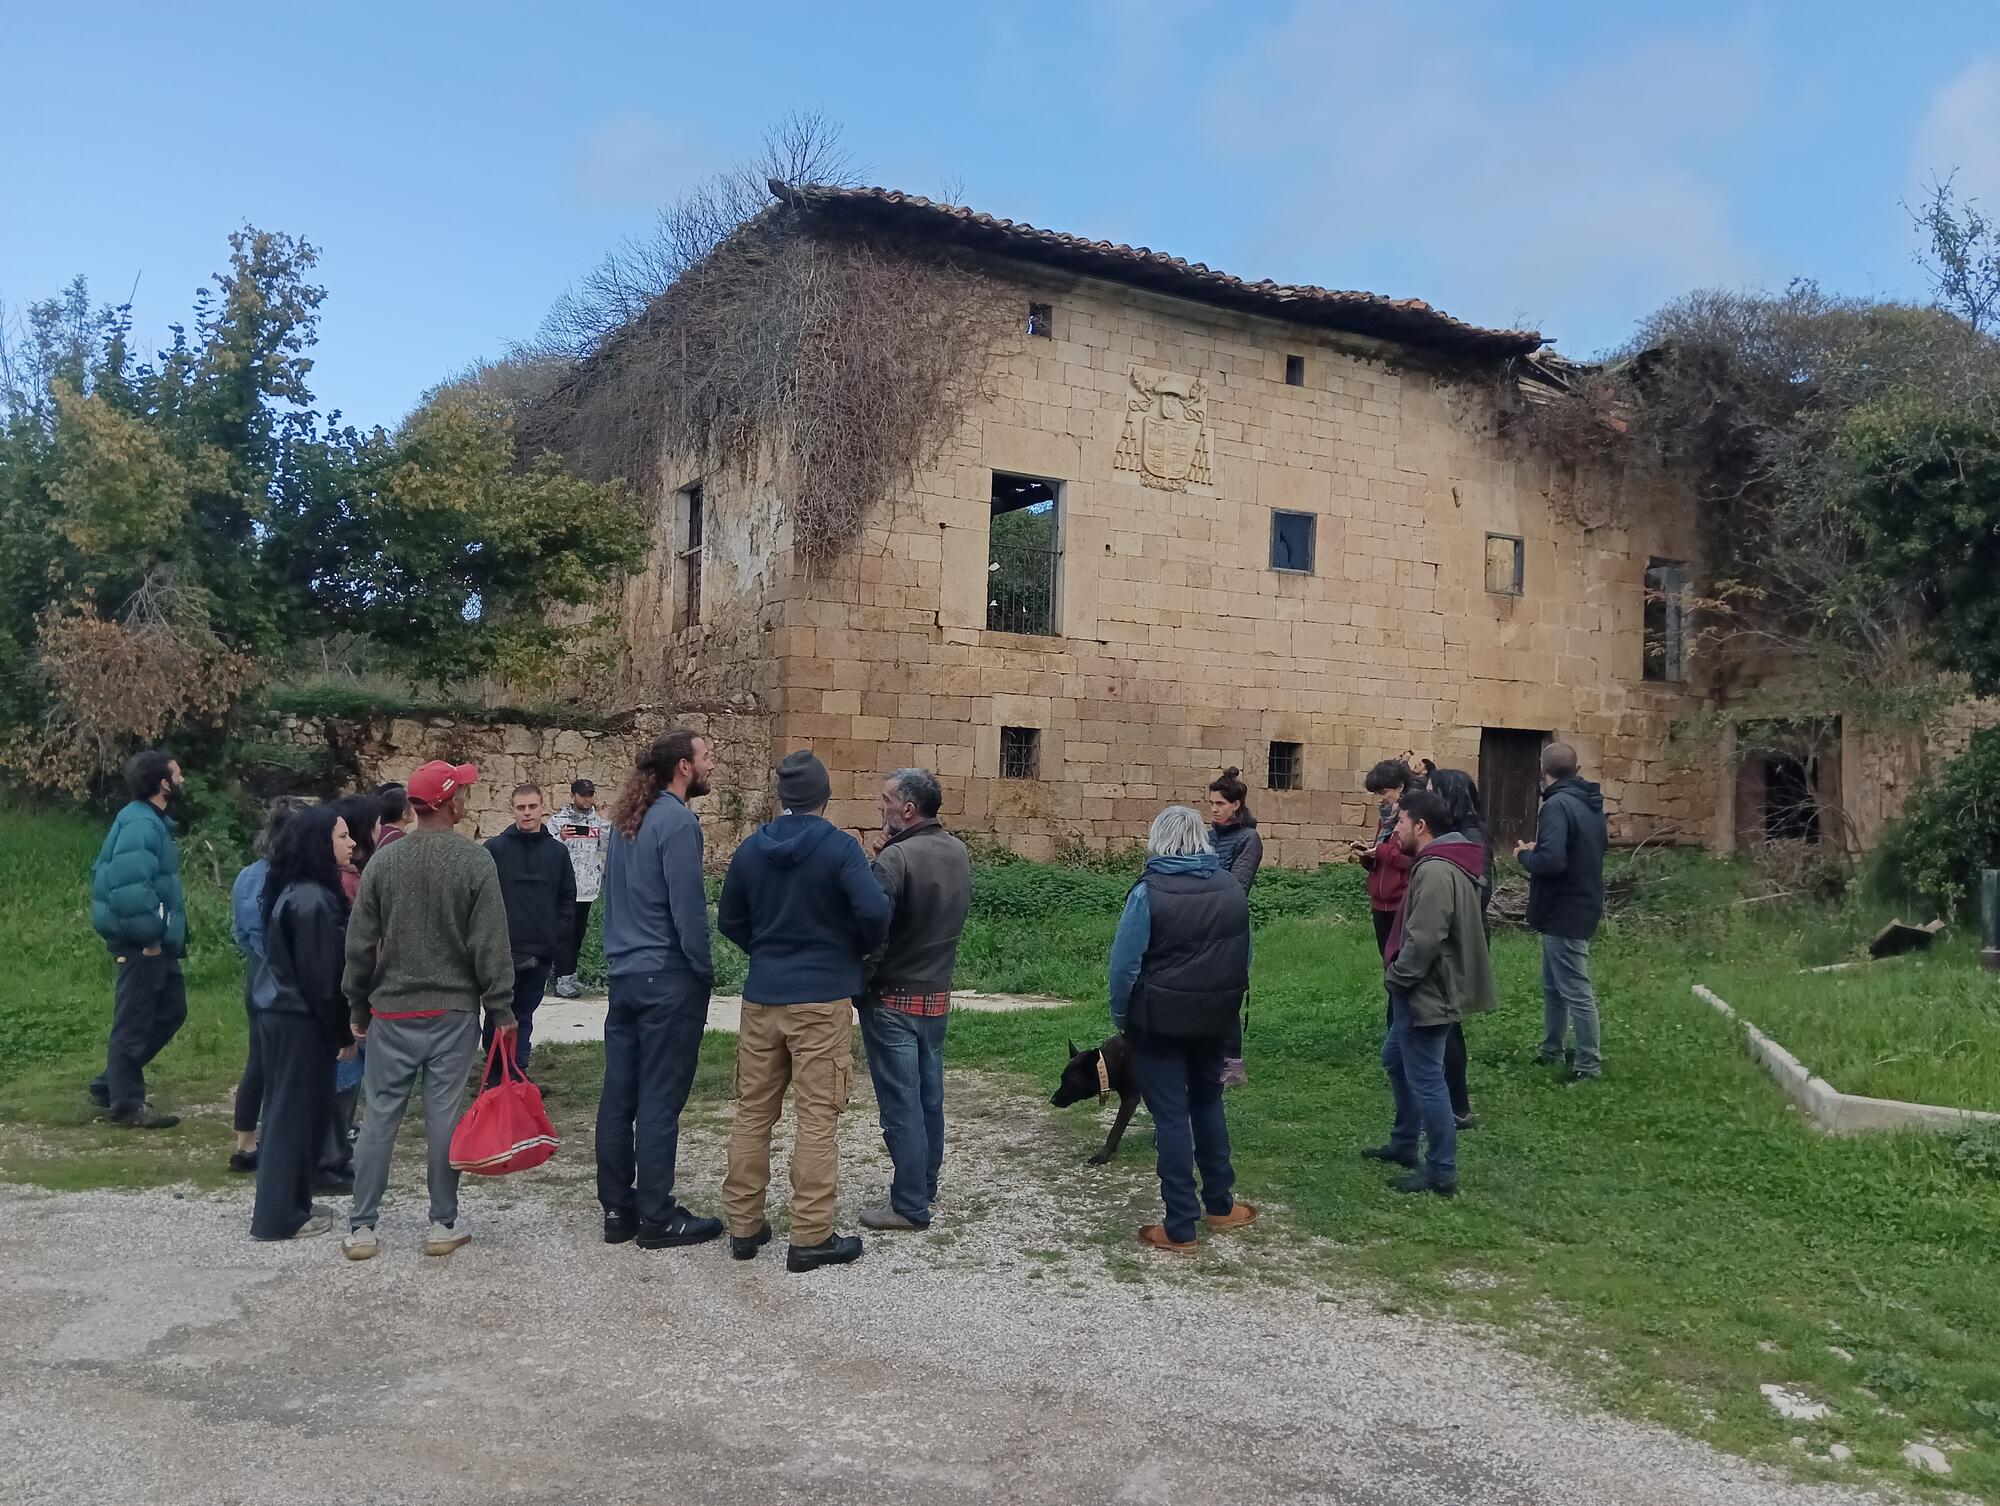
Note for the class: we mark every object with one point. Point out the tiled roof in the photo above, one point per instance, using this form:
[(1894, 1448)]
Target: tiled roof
[(1410, 321)]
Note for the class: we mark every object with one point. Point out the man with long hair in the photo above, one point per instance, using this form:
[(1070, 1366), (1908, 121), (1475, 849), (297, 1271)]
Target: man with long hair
[(136, 906), (659, 975)]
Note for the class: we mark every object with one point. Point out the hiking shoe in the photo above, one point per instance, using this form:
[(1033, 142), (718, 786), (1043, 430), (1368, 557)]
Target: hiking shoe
[(146, 1118), (620, 1226), (1241, 1216), (360, 1244), (1390, 1154), (835, 1249), (887, 1218), (1466, 1121), (245, 1160), (566, 988), (443, 1239), (684, 1228), (1417, 1181), (746, 1246), (1155, 1236), (1233, 1075), (317, 1225)]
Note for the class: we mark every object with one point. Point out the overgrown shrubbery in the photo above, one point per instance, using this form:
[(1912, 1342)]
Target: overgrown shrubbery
[(1950, 830)]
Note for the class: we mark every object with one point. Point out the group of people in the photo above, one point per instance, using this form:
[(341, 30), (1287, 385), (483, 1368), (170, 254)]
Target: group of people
[(377, 937)]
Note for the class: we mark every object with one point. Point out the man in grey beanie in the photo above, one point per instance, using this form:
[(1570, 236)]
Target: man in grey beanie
[(801, 900)]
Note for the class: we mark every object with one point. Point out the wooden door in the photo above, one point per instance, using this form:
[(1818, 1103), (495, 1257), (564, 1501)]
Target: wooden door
[(1510, 778)]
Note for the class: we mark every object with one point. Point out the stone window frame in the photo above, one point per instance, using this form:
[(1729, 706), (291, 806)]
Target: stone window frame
[(1519, 587), (1295, 369), (690, 532), (1020, 752), (1058, 501), (1311, 566), (1285, 765), (1664, 621)]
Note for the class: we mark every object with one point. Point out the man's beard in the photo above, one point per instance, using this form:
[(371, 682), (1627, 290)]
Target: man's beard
[(697, 788)]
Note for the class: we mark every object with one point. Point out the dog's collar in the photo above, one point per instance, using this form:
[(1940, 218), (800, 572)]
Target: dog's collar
[(1103, 1081)]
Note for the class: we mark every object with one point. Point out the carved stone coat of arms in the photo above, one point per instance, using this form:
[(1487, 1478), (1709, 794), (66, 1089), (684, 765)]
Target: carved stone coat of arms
[(1166, 430)]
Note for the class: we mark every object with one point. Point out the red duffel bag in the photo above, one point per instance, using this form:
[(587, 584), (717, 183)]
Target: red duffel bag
[(506, 1129)]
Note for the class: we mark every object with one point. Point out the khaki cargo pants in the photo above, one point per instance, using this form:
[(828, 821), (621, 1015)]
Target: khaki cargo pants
[(810, 1048)]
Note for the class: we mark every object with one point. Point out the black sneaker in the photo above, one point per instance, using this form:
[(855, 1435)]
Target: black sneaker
[(243, 1160), (746, 1246), (1417, 1181), (99, 1094), (335, 1183), (1390, 1154), (620, 1227), (147, 1118), (835, 1249), (684, 1228)]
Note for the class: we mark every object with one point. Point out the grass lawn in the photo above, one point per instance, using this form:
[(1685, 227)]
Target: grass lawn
[(1924, 1028), (1672, 1235)]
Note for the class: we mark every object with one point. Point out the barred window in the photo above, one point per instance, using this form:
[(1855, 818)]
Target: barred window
[(1287, 766), (1020, 753)]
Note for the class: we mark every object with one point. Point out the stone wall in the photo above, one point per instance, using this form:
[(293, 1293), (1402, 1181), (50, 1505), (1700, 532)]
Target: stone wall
[(376, 750), (1179, 649)]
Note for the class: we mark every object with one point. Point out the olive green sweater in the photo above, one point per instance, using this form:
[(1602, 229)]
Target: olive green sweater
[(429, 931)]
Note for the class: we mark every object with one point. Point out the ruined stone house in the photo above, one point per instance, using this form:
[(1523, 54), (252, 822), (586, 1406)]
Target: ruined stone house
[(1192, 522)]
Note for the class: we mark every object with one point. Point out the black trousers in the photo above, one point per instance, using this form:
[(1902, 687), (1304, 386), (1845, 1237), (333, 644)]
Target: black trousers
[(531, 981), (1454, 1041), (298, 1102), (250, 1090), (652, 1044), (566, 963), (149, 1007)]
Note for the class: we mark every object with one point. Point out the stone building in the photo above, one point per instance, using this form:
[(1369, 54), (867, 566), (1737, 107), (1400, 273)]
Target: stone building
[(1191, 522)]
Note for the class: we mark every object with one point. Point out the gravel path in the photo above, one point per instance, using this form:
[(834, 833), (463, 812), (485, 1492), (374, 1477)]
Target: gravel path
[(1013, 1354)]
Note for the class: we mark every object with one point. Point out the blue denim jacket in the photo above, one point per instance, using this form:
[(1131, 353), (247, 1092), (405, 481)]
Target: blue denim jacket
[(259, 991)]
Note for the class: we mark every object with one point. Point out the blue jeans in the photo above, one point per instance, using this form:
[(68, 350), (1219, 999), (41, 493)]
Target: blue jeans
[(1568, 1001), (906, 1061), (1413, 1056), (1181, 1082), (652, 1043)]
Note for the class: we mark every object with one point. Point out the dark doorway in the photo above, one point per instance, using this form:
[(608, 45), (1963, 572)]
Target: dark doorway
[(1510, 783), (1791, 809), (1788, 786)]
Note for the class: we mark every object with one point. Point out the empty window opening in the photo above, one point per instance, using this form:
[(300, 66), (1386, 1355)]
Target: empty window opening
[(1287, 766), (1042, 320), (1023, 555), (1504, 564), (1295, 371), (1292, 541), (687, 607), (1020, 753), (1666, 621)]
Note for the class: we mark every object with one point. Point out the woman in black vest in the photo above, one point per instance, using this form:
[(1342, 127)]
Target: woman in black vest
[(303, 1026), (1180, 966), (1232, 830)]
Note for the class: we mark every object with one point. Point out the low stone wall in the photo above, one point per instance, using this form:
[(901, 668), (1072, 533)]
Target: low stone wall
[(374, 750)]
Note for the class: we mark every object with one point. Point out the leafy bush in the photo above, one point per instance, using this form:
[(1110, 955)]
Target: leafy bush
[(1950, 830)]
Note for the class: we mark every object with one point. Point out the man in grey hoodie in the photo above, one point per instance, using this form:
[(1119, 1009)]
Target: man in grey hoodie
[(657, 960)]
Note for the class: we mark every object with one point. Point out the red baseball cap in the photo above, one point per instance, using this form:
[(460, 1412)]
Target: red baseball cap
[(432, 784)]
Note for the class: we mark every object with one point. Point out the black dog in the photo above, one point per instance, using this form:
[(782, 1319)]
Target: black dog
[(1098, 1074)]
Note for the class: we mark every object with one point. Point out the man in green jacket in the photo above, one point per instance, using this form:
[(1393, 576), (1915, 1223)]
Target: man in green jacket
[(1438, 970), (136, 906)]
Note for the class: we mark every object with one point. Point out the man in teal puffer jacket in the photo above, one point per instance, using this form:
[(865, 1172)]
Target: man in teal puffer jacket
[(136, 906)]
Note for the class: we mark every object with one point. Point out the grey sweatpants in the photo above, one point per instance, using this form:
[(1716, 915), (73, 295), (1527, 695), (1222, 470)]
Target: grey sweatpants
[(439, 1051)]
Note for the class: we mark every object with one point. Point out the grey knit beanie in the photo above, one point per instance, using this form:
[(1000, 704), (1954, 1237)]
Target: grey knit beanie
[(803, 784)]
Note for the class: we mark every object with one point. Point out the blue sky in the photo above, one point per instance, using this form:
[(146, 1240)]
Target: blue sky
[(1565, 165)]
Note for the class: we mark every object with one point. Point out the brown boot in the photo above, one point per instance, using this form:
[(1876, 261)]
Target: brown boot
[(1241, 1216), (1155, 1235)]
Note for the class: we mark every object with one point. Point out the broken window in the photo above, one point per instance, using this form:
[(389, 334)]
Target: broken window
[(1292, 541), (1023, 555), (1287, 766), (687, 605), (1504, 564), (1666, 621), (1295, 371), (1042, 320), (1020, 753)]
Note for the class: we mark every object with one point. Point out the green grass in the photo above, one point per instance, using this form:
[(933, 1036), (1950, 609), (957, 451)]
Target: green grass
[(1647, 1232), (1923, 1028)]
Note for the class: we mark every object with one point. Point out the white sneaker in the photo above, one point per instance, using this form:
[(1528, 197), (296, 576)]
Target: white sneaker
[(318, 1224), (443, 1239), (360, 1245)]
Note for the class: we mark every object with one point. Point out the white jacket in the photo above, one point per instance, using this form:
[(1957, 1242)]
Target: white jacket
[(583, 833)]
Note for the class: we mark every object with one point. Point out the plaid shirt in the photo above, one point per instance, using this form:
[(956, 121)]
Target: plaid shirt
[(924, 1004)]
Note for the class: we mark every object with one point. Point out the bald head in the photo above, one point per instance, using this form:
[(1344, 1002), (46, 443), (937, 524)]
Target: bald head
[(1558, 760)]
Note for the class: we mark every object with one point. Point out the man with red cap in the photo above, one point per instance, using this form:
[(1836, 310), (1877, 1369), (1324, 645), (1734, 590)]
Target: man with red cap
[(427, 946)]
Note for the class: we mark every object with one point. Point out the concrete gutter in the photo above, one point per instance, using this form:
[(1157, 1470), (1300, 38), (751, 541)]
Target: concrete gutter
[(1836, 1112)]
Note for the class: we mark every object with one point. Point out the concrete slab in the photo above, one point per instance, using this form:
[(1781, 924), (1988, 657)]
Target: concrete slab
[(574, 1021)]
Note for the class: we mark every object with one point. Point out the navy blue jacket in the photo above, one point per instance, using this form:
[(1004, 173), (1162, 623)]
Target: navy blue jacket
[(801, 899), (1566, 864)]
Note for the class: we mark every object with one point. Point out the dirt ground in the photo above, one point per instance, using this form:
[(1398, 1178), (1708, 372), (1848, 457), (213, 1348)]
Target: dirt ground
[(1023, 1350)]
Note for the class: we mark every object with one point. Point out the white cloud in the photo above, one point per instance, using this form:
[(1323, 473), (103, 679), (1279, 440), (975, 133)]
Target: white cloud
[(636, 160), (1960, 133), (1509, 187)]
